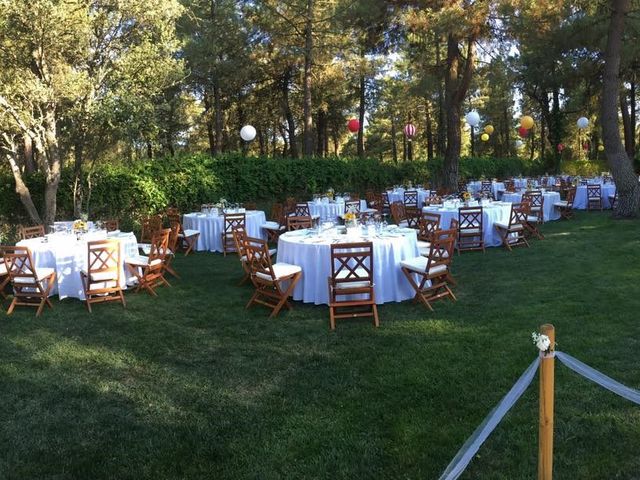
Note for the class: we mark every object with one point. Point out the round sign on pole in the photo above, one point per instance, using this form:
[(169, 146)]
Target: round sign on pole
[(409, 130), (247, 133), (473, 118)]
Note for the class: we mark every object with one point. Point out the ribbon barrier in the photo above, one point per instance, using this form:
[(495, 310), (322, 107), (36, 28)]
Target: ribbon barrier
[(475, 441), (466, 453), (600, 378)]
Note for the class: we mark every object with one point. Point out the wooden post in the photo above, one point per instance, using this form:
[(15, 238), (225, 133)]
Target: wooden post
[(545, 436)]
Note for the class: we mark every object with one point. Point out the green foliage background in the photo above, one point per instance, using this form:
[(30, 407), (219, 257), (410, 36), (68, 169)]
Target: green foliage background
[(130, 190)]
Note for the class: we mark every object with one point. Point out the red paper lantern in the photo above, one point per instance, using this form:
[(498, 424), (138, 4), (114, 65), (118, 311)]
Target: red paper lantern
[(523, 132), (353, 125), (560, 147), (409, 130)]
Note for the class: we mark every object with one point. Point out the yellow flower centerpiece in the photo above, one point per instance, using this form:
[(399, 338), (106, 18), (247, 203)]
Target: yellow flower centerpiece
[(350, 218), (80, 226)]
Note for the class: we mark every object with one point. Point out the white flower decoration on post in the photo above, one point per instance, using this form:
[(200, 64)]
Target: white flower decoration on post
[(542, 342)]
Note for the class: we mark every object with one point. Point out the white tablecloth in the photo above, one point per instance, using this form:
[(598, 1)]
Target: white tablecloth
[(330, 210), (68, 256), (550, 212), (580, 201), (211, 228), (475, 187), (496, 212), (313, 254), (398, 195)]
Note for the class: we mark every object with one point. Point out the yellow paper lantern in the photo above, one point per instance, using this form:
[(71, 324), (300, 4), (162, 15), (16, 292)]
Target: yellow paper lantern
[(484, 137), (526, 122), (488, 129), (601, 148)]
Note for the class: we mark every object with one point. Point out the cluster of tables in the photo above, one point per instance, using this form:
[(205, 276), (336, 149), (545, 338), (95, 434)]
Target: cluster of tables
[(67, 255)]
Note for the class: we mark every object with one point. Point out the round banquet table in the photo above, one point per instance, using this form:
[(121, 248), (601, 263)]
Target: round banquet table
[(397, 195), (495, 212), (475, 187), (580, 202), (313, 254), (549, 213), (327, 210), (211, 228), (68, 257)]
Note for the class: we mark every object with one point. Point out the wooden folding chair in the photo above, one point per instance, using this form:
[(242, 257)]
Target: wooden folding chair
[(231, 221), (276, 226), (150, 226), (399, 215), (172, 248), (298, 223), (31, 285), (250, 206), (4, 268), (428, 276), (513, 233), (31, 232), (101, 278), (594, 197), (509, 186), (411, 198), (239, 237), (301, 210), (486, 188), (269, 279), (566, 206), (470, 229), (352, 205), (433, 200), (386, 204), (536, 203), (187, 238), (149, 271), (352, 274), (111, 225), (428, 225)]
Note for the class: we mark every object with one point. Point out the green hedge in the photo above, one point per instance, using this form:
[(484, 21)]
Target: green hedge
[(129, 191)]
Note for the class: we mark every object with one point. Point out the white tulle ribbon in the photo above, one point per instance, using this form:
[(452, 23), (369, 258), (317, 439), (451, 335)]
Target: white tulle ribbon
[(599, 378), (475, 441)]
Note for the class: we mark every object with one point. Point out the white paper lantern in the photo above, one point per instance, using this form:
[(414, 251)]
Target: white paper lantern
[(473, 118), (519, 144), (583, 122), (248, 133)]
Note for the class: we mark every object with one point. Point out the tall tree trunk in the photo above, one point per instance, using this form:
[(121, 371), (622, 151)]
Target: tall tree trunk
[(261, 142), (22, 190), (326, 139), (442, 130), (507, 130), (288, 114), (472, 138), (361, 111), (218, 120), (428, 131), (78, 194), (149, 150), (394, 143), (320, 125), (29, 161), (308, 62), (628, 119), (627, 186), (556, 126), (457, 83), (52, 177), (213, 146)]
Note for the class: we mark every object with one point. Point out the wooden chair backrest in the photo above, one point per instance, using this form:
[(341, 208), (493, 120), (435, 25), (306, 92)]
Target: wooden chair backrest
[(519, 213), (258, 258), (370, 196), (150, 225), (172, 244), (469, 218), (411, 198), (159, 247), (509, 186), (32, 232), (454, 224), (462, 186), (571, 196), (441, 250), (277, 213), (111, 225), (594, 192), (534, 197), (302, 210), (584, 182), (352, 262), (295, 222), (429, 223), (385, 199), (352, 204), (398, 212), (444, 235), (486, 188), (433, 200), (103, 260), (22, 272), (239, 235), (290, 204), (234, 220)]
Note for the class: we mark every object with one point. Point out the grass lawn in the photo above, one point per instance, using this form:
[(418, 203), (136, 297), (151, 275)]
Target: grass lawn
[(191, 385)]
